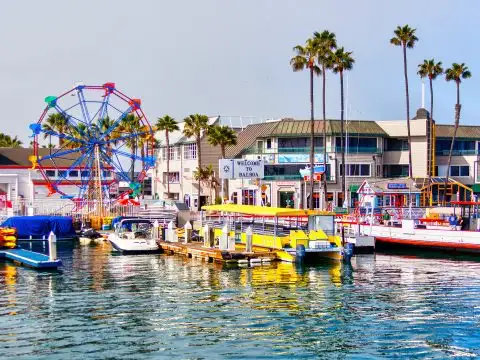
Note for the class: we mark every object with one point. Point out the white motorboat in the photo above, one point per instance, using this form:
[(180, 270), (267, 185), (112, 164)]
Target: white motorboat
[(134, 236)]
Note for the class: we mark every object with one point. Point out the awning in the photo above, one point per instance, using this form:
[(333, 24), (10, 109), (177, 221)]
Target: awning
[(476, 188), (355, 187)]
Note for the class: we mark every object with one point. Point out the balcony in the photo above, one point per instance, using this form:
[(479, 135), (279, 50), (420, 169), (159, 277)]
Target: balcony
[(283, 150), (360, 150), (290, 177), (457, 152)]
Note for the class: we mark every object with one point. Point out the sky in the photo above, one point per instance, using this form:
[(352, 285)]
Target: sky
[(230, 58)]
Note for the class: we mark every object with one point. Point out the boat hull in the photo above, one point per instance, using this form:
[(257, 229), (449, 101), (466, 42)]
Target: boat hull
[(445, 240)]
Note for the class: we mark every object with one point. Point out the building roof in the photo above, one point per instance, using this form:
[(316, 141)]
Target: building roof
[(290, 127), (464, 131), (381, 186), (20, 157), (248, 136)]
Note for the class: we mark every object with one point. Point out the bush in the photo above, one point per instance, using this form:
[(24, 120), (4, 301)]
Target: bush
[(218, 200)]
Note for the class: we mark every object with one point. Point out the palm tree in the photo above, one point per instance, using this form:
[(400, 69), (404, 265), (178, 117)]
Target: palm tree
[(207, 176), (57, 123), (456, 73), (6, 141), (222, 136), (130, 124), (405, 37), (194, 126), (431, 70), (342, 61), (306, 59), (326, 43), (168, 125)]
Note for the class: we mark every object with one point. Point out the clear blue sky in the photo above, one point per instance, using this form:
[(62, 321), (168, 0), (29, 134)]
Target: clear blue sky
[(229, 57)]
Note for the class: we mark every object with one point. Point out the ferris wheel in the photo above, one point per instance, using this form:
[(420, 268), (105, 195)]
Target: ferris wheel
[(99, 134)]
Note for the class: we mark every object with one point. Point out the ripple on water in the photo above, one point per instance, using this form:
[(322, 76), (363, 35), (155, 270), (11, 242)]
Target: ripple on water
[(102, 305)]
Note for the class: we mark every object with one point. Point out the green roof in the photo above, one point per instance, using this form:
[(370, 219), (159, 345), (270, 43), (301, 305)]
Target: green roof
[(289, 127), (463, 132)]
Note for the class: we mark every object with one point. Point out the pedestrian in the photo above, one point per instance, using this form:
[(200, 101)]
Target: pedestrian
[(452, 220)]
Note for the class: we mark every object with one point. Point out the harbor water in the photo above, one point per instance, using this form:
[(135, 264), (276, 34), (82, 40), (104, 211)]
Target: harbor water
[(156, 306)]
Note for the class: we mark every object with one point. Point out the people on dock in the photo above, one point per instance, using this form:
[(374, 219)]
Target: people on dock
[(452, 220), (386, 218)]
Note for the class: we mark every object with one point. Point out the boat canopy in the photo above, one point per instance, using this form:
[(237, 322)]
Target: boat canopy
[(263, 210)]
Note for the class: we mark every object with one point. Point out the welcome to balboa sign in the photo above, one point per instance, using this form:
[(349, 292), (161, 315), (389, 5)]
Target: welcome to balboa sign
[(241, 169)]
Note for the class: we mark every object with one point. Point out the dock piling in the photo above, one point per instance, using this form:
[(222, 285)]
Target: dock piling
[(188, 232), (249, 244), (224, 238), (52, 246)]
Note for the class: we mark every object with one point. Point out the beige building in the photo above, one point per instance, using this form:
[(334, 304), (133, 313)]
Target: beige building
[(374, 149), (183, 154)]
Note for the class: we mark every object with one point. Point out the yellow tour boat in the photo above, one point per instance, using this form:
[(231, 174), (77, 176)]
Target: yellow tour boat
[(294, 234)]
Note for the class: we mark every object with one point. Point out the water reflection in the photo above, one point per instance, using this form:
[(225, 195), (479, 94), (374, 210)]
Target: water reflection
[(169, 306)]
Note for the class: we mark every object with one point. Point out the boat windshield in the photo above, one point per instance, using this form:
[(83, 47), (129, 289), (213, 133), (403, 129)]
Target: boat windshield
[(137, 228)]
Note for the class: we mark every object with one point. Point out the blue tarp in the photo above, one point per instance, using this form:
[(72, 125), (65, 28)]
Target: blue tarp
[(40, 226)]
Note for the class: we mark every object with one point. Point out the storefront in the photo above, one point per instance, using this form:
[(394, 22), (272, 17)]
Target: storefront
[(388, 193)]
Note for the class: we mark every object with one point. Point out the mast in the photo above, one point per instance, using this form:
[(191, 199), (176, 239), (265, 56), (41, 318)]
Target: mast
[(99, 181)]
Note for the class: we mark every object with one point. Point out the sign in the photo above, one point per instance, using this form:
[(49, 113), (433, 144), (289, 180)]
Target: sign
[(341, 210), (396, 186), (317, 169), (299, 158), (241, 169)]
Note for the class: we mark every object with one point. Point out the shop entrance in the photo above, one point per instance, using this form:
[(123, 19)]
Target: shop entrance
[(286, 199)]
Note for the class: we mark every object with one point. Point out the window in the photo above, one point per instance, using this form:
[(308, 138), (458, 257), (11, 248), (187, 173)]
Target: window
[(459, 170), (356, 170), (190, 151), (395, 171), (460, 147), (50, 173), (73, 173), (249, 197), (269, 143), (173, 152), (62, 173), (395, 144), (260, 146), (357, 144), (85, 174), (172, 177), (106, 174)]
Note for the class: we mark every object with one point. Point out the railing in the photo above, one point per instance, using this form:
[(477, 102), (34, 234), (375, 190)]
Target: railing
[(456, 152), (291, 177), (359, 150), (283, 150)]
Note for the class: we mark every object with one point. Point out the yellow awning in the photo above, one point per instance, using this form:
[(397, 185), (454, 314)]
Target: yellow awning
[(262, 210)]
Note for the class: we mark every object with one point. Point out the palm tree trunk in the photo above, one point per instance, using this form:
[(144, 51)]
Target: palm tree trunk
[(168, 163), (199, 154), (431, 153), (312, 138), (324, 131), (457, 121), (225, 181), (408, 113), (342, 141)]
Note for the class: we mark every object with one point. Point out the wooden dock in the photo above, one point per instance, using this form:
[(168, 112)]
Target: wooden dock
[(197, 250), (30, 258)]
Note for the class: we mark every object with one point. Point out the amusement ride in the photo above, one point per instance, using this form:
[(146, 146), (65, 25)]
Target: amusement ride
[(100, 132)]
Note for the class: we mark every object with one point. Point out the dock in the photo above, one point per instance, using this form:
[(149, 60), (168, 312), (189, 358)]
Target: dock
[(30, 258), (197, 250)]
